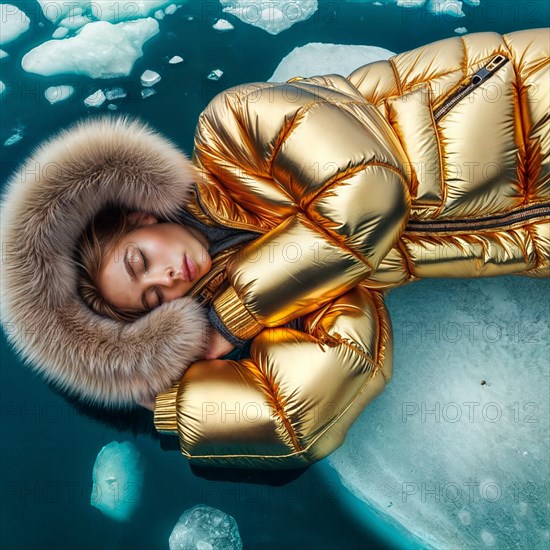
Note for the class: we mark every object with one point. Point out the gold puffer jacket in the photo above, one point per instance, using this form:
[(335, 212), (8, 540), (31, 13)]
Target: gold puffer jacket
[(434, 163)]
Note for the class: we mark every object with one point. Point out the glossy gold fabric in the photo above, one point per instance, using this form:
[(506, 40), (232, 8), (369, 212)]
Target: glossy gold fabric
[(351, 181)]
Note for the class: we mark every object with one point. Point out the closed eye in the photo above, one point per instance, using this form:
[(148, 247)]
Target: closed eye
[(159, 292)]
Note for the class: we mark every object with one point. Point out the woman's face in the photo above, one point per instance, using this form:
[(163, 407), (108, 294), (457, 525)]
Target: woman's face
[(148, 266)]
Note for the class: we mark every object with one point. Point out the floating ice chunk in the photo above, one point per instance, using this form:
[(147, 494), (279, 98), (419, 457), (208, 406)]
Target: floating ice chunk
[(317, 58), (115, 93), (377, 4), (446, 7), (100, 50), (118, 480), (102, 10), (223, 25), (112, 107), (461, 30), (445, 440), (271, 16), (74, 23), (175, 59), (96, 99), (202, 528), (3, 54), (14, 138), (56, 11), (147, 92), (60, 32), (14, 23), (411, 3), (149, 78), (472, 2), (2, 87), (215, 74), (171, 9), (54, 94), (160, 15)]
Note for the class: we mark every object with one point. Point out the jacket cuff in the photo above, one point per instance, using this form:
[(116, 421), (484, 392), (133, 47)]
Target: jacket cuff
[(217, 324), (227, 310), (166, 416)]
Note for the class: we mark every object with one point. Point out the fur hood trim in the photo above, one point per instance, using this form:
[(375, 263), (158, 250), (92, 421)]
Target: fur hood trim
[(45, 206)]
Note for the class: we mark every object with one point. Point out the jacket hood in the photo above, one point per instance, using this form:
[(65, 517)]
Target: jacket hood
[(46, 204)]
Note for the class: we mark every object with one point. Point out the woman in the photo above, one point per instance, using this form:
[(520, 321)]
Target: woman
[(433, 163)]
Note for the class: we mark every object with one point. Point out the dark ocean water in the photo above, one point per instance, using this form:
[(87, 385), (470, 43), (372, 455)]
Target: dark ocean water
[(48, 445)]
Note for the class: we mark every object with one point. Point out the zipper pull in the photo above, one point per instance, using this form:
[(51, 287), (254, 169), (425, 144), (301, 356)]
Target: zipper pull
[(495, 64)]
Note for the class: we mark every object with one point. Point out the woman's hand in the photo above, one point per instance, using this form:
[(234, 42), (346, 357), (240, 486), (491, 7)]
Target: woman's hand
[(218, 346)]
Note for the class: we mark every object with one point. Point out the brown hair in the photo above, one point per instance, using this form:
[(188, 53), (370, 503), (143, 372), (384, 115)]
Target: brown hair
[(93, 247)]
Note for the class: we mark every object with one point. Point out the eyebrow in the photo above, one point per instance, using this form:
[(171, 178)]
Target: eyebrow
[(134, 278)]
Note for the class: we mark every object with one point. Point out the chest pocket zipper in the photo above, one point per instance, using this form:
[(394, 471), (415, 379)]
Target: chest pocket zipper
[(478, 78)]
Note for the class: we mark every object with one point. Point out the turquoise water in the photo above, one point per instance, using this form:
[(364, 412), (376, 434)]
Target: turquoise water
[(48, 445)]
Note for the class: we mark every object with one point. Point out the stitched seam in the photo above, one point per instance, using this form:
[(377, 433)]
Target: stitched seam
[(407, 265), (281, 412), (538, 263), (353, 172), (383, 329), (523, 163), (442, 187), (334, 240), (396, 76)]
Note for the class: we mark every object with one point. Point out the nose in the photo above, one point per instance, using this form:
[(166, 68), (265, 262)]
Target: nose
[(168, 277)]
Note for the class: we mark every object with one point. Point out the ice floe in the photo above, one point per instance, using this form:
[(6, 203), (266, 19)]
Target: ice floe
[(60, 32), (170, 9), (100, 50), (117, 480), (271, 16), (456, 446), (222, 25), (216, 74), (448, 7), (115, 93), (54, 94), (14, 23), (461, 30), (147, 92), (3, 54), (317, 58), (2, 87), (175, 60), (205, 528), (104, 10), (411, 3), (149, 78), (96, 99)]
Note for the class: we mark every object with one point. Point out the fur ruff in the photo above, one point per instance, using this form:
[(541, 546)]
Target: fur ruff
[(46, 204)]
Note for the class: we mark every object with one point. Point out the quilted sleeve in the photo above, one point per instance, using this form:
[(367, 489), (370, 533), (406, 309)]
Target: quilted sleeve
[(327, 171), (293, 401)]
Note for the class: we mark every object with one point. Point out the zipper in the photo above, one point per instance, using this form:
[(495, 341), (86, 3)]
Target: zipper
[(532, 212), (476, 80), (202, 287)]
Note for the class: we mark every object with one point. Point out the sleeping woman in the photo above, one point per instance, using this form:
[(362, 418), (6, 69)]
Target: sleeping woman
[(239, 294)]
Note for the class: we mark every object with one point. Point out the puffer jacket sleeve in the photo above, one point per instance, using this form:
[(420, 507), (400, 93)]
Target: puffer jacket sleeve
[(326, 170), (293, 401)]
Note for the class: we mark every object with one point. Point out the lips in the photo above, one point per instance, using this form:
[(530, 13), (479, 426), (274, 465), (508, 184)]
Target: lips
[(189, 268)]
